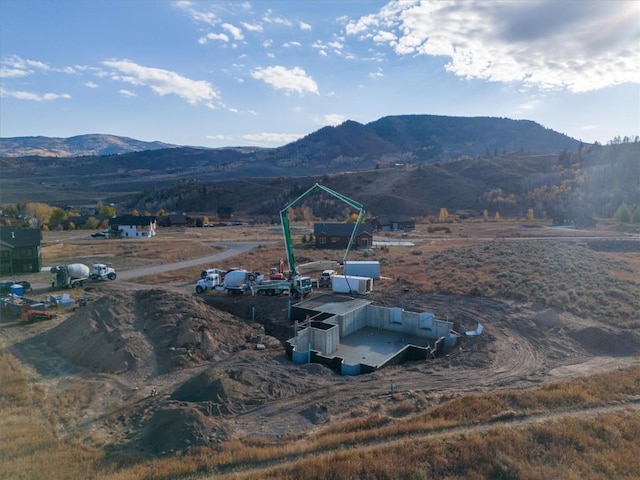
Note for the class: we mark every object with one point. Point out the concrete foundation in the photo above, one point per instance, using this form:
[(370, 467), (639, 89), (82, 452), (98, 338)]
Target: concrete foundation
[(353, 336)]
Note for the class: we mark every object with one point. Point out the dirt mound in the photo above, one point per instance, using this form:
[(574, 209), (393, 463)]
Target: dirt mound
[(316, 414), (177, 428), (600, 341), (547, 319), (246, 385), (156, 331)]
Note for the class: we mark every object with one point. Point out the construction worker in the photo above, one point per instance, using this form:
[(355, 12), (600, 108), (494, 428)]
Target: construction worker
[(53, 283)]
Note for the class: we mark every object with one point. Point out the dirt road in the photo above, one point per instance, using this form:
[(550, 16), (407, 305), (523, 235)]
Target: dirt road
[(232, 249)]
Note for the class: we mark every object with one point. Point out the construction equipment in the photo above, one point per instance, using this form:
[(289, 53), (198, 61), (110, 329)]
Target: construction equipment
[(102, 271), (239, 281), (325, 278), (77, 274), (71, 276), (288, 243), (209, 282), (277, 273)]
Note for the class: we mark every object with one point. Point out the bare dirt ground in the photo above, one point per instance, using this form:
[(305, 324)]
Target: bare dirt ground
[(148, 365)]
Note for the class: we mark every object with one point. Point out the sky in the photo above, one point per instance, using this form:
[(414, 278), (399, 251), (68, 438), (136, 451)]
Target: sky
[(267, 72)]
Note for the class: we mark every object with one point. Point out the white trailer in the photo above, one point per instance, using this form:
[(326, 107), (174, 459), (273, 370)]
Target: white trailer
[(369, 269), (351, 284)]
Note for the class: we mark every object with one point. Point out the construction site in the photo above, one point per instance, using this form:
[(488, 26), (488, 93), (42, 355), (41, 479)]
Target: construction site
[(149, 363)]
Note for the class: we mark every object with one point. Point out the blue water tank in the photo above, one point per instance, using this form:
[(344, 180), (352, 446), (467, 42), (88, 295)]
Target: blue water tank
[(17, 290)]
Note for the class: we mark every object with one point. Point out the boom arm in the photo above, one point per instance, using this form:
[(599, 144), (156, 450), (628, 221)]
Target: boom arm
[(284, 218)]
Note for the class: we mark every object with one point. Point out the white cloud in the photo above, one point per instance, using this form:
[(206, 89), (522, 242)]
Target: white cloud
[(267, 18), (14, 66), (277, 138), (196, 15), (291, 44), (235, 32), (127, 93), (324, 48), (219, 137), (252, 27), (288, 79), (21, 95), (12, 72), (376, 74), (385, 37), (214, 36), (304, 25), (580, 46), (333, 119), (163, 82), (90, 85)]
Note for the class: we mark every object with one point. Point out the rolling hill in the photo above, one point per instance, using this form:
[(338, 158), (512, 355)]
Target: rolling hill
[(80, 145)]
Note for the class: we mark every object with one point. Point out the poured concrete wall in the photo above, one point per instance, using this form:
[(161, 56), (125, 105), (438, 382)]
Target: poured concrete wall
[(321, 337), (352, 321), (401, 321), (325, 340)]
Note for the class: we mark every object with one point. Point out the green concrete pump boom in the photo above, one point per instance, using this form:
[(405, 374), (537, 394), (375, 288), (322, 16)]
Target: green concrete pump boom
[(288, 243)]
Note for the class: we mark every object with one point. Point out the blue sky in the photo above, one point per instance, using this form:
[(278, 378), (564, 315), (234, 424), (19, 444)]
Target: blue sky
[(213, 73)]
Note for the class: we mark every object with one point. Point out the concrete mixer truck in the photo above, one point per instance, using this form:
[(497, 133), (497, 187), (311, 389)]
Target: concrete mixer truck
[(77, 274)]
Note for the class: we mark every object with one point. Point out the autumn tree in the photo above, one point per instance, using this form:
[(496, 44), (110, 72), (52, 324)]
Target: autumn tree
[(444, 214), (39, 213), (57, 215), (91, 223), (623, 213), (107, 210)]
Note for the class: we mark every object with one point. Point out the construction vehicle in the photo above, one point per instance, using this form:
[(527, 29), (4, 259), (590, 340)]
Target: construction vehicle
[(237, 282), (77, 274), (277, 273), (297, 283), (71, 276), (325, 278), (209, 282), (102, 271)]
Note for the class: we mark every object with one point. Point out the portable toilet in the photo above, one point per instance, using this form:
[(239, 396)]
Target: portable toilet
[(17, 290)]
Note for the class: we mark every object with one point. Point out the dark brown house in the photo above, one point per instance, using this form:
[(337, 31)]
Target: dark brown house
[(337, 235), (20, 250), (394, 223), (173, 220)]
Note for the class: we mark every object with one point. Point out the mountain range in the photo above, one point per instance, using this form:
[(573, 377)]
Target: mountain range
[(416, 137), (80, 145), (409, 164)]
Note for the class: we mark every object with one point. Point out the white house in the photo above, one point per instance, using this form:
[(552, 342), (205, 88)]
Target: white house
[(133, 226)]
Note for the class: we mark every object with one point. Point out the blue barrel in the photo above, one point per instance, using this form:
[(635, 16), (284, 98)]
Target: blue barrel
[(17, 290)]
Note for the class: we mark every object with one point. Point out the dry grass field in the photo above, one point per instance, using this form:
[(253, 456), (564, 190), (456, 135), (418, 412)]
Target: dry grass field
[(550, 390)]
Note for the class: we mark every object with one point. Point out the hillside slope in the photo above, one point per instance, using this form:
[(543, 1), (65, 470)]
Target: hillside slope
[(80, 145)]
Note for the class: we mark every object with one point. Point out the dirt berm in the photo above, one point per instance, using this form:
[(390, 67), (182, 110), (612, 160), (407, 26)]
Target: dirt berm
[(148, 331)]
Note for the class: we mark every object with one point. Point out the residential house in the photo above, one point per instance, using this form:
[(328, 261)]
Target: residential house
[(133, 226), (337, 235), (394, 223), (173, 220), (20, 250), (225, 213)]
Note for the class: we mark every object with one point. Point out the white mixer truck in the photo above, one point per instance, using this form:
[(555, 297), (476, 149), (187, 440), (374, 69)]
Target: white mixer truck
[(77, 274)]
